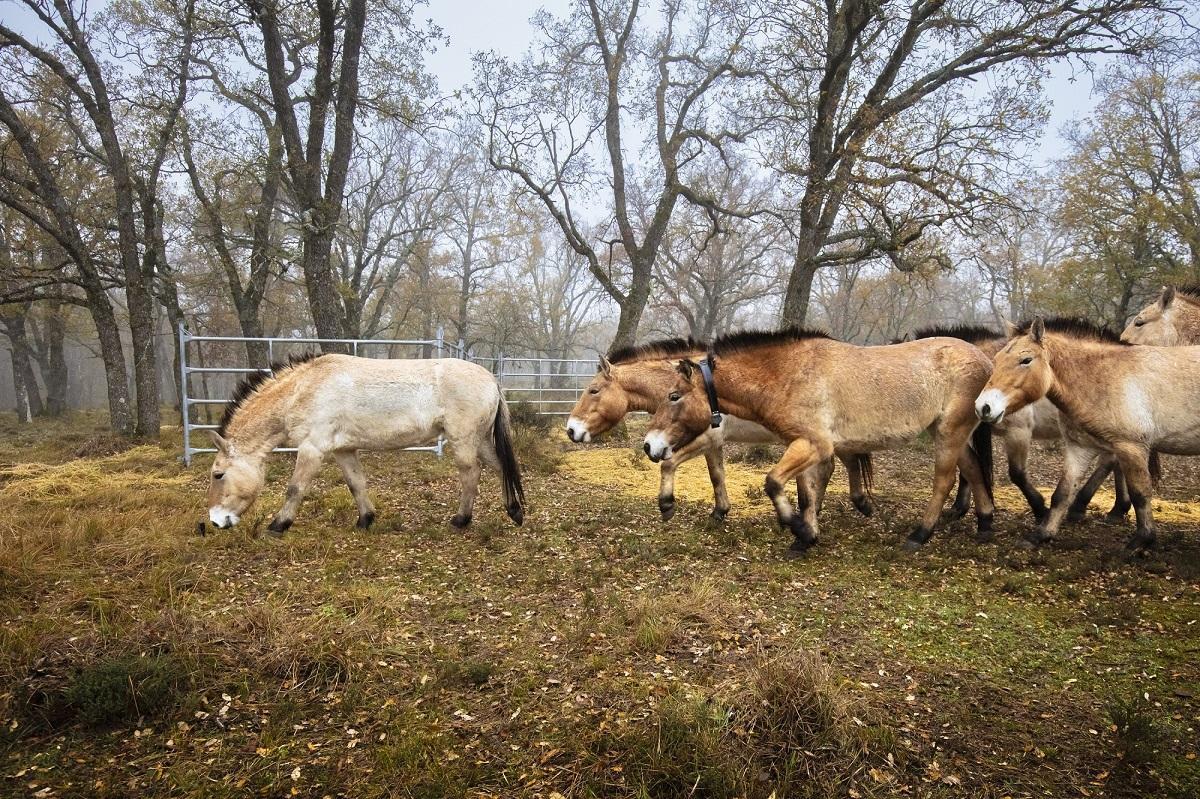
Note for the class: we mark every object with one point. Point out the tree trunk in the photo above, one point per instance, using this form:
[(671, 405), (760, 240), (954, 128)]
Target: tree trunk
[(799, 287), (52, 359), (28, 398), (634, 304)]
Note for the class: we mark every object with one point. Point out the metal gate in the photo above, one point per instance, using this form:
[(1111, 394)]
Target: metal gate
[(550, 385)]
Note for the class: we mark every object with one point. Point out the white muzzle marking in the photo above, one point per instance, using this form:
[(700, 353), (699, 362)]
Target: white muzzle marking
[(577, 430), (991, 405), (657, 446), (222, 518)]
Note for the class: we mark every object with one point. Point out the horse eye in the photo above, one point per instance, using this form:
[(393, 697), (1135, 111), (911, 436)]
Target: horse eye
[(218, 475), (1138, 322), (674, 397), (1026, 361), (593, 391)]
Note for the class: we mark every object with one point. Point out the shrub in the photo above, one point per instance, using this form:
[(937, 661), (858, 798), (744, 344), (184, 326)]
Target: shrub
[(124, 689), (1136, 731)]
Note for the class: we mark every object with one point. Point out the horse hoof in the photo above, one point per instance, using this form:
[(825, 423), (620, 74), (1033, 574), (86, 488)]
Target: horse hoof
[(1076, 516), (912, 545), (365, 521), (985, 536), (863, 506), (460, 521), (1140, 544), (718, 515), (278, 527), (957, 512), (1115, 517), (666, 507)]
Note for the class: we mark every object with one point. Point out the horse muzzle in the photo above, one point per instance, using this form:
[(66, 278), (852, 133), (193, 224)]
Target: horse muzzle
[(656, 446), (577, 431), (221, 518), (990, 406)]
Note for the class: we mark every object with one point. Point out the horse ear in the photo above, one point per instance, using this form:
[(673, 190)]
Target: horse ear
[(685, 367), (1168, 297), (1037, 330), (221, 444), (605, 366), (1011, 330)]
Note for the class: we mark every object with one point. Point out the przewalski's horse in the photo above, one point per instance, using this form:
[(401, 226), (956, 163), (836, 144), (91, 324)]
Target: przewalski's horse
[(823, 397), (1112, 397), (337, 405), (1172, 321), (638, 378)]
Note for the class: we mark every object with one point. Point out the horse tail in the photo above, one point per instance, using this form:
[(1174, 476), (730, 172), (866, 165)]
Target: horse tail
[(1155, 466), (981, 444), (510, 471), (866, 470)]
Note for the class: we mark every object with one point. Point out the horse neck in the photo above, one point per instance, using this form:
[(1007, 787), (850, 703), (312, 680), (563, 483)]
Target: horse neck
[(646, 384), (741, 388), (1078, 366), (260, 424)]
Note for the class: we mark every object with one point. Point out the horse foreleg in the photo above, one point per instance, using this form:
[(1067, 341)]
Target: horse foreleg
[(666, 487), (356, 480), (800, 455), (1124, 500), (810, 495), (1016, 451), (308, 465), (715, 458), (971, 471), (962, 498), (945, 467), (469, 467), (702, 445), (1079, 505), (1134, 465), (1077, 464)]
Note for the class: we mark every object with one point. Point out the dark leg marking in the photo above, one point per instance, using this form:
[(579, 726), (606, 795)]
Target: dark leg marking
[(1034, 497), (459, 521), (666, 506), (278, 527), (962, 499), (365, 521), (1144, 536), (917, 538), (983, 528), (862, 504)]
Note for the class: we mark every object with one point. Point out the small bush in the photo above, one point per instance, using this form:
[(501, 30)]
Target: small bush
[(475, 673), (755, 454), (525, 414), (1136, 731), (124, 689)]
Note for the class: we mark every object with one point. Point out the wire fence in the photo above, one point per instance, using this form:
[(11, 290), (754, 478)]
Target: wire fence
[(212, 366)]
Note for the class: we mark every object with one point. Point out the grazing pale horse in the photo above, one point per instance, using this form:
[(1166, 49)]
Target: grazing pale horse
[(826, 397), (637, 378), (337, 405), (1112, 397)]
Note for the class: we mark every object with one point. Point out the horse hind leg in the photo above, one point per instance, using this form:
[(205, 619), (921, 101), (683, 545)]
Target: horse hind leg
[(1079, 506), (1134, 465), (1016, 452), (971, 473), (949, 448), (1124, 500), (356, 480), (1077, 463), (308, 465), (715, 460), (469, 468), (800, 455)]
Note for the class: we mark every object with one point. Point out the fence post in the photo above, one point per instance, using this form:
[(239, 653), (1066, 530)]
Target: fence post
[(441, 338), (184, 409), (462, 350)]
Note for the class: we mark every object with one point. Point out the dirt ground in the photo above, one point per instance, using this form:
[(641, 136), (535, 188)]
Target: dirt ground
[(595, 651)]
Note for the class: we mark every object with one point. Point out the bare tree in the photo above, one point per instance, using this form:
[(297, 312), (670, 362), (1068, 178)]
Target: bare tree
[(845, 78), (607, 78)]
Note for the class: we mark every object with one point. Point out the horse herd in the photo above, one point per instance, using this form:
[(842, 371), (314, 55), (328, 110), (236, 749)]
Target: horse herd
[(1115, 401)]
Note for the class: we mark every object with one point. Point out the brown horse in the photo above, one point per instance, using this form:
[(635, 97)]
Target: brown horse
[(1172, 321), (824, 397), (1113, 398), (637, 378)]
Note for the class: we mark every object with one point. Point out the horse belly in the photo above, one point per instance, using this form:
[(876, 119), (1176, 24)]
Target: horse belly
[(744, 431)]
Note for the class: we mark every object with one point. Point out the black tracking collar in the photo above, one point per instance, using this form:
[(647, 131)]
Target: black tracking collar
[(706, 371)]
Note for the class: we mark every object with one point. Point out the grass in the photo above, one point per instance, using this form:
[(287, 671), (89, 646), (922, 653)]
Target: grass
[(593, 652)]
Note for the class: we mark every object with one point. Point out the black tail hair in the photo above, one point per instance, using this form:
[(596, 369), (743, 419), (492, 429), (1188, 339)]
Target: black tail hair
[(981, 443), (866, 470), (510, 471)]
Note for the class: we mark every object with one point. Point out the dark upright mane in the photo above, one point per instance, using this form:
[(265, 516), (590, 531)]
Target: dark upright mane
[(750, 339), (253, 381), (1076, 328), (664, 348), (1190, 292), (972, 334)]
